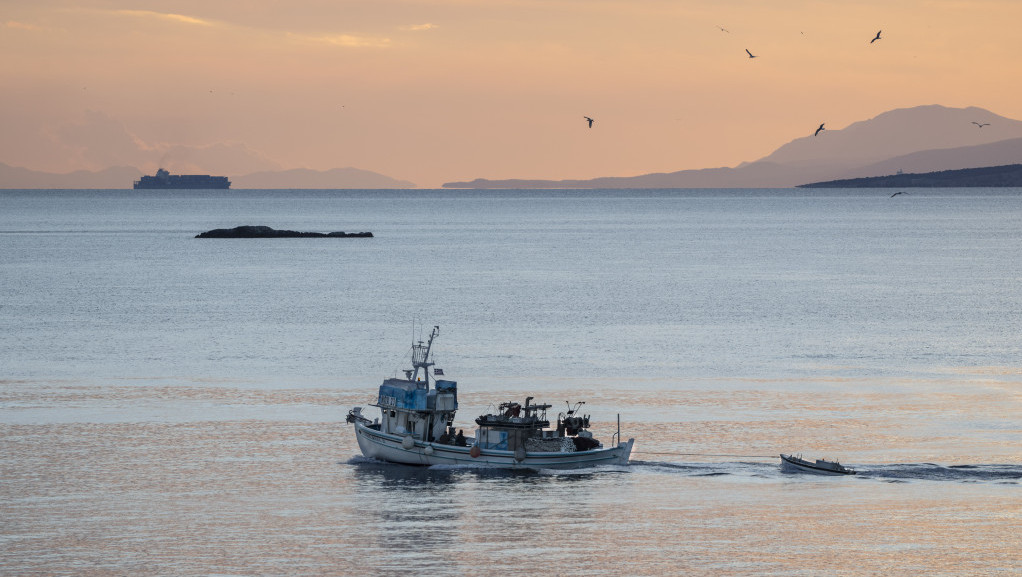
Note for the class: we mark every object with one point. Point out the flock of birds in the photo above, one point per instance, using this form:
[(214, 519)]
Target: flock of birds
[(820, 128)]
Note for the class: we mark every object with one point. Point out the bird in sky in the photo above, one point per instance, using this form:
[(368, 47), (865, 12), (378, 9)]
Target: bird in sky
[(981, 125), (722, 29), (589, 120), (897, 193), (877, 37), (819, 129), (751, 55)]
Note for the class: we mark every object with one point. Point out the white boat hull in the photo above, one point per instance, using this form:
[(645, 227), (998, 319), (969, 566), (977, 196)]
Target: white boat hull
[(392, 448)]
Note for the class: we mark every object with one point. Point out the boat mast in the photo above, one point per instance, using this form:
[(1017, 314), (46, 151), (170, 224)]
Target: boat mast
[(420, 356)]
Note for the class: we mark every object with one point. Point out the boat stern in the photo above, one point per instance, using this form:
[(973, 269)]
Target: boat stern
[(625, 451)]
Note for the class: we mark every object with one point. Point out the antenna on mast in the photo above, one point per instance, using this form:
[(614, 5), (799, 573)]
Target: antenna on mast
[(420, 355)]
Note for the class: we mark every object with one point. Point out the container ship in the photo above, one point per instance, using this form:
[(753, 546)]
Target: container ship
[(164, 179)]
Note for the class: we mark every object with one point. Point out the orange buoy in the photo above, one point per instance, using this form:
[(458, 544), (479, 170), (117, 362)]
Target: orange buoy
[(475, 451)]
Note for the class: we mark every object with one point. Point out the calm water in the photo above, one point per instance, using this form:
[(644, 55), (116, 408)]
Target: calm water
[(170, 405)]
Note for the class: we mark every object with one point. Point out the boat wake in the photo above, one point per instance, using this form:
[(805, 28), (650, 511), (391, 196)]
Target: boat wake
[(1009, 474), (897, 473), (594, 470), (747, 469)]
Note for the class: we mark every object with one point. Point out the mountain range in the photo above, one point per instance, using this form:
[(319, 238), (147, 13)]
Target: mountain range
[(920, 139), (124, 176)]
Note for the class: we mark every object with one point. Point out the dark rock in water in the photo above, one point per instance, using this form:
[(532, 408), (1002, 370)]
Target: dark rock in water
[(267, 232)]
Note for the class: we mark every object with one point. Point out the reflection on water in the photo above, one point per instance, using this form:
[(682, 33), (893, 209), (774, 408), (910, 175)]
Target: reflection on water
[(206, 492), (185, 417)]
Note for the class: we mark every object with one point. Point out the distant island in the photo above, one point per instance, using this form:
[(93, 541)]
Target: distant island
[(249, 231), (336, 178), (1009, 175)]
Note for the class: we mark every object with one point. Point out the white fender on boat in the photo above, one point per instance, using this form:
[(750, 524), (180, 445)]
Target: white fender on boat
[(520, 454), (428, 450), (408, 442)]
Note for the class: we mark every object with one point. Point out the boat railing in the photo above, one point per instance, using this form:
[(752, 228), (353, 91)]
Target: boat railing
[(355, 415)]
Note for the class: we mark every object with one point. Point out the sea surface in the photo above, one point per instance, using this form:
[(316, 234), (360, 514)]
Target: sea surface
[(175, 406)]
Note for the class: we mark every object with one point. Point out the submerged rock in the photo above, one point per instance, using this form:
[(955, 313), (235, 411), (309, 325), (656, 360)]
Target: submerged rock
[(267, 232)]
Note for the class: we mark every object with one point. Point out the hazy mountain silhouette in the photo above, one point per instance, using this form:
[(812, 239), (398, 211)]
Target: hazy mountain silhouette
[(923, 139), (124, 176), (999, 153), (897, 133), (114, 177), (325, 179)]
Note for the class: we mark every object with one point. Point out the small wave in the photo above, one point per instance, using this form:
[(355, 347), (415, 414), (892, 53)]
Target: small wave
[(597, 469), (361, 460)]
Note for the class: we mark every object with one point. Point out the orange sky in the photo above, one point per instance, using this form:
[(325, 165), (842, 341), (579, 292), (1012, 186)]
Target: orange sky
[(439, 90)]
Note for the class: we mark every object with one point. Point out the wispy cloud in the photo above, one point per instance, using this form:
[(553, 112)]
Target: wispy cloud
[(418, 27), (22, 26), (344, 40), (340, 40), (183, 19)]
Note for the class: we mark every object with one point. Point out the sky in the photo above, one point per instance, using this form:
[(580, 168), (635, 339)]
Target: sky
[(433, 91)]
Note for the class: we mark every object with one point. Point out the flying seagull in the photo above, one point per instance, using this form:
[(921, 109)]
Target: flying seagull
[(877, 37), (897, 193), (722, 29), (819, 129), (751, 55), (589, 120), (981, 125)]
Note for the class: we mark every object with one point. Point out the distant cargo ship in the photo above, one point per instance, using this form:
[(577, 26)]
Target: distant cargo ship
[(164, 179)]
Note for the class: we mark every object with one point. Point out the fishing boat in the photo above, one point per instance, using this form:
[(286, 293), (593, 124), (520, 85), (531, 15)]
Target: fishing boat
[(795, 463), (416, 427)]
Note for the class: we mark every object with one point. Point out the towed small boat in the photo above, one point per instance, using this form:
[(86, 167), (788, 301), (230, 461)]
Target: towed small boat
[(416, 427), (797, 464)]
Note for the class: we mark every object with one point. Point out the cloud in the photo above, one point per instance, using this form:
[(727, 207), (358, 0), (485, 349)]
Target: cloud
[(230, 158), (418, 27), (100, 141), (344, 40), (22, 26), (181, 18)]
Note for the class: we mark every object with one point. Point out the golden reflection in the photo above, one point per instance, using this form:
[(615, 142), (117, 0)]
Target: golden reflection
[(212, 493)]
